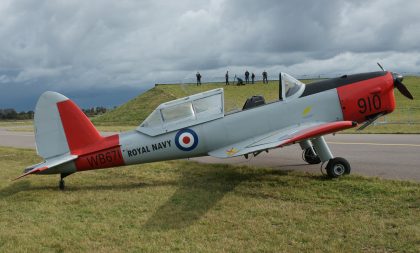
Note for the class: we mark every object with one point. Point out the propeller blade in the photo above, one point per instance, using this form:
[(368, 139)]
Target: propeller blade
[(380, 66), (403, 89)]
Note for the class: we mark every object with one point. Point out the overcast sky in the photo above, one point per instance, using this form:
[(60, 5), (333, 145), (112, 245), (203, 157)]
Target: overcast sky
[(94, 49)]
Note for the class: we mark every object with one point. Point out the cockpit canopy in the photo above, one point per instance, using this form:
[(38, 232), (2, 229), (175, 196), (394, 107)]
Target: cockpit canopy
[(184, 112), (290, 87)]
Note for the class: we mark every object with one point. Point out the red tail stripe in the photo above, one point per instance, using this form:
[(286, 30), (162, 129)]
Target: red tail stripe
[(79, 131), (94, 151)]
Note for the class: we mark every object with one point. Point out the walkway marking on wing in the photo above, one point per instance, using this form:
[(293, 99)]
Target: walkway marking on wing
[(375, 144)]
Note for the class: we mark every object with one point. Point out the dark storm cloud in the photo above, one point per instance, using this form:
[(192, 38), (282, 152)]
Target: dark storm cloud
[(282, 26), (324, 28), (74, 44)]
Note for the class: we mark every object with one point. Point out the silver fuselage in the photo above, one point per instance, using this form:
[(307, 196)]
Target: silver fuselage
[(138, 147)]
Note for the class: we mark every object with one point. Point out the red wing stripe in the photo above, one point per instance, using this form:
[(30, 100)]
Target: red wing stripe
[(320, 130)]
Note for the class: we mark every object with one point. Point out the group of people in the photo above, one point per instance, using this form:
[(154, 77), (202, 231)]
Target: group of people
[(240, 81)]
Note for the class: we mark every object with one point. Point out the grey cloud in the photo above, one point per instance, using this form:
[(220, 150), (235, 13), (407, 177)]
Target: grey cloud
[(104, 43)]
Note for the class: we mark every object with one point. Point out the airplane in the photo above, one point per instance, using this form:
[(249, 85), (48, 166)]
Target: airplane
[(197, 125)]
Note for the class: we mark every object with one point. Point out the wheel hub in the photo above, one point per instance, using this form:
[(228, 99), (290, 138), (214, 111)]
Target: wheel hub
[(339, 169)]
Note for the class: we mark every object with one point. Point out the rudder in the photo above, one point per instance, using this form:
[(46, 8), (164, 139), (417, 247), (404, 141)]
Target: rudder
[(61, 127)]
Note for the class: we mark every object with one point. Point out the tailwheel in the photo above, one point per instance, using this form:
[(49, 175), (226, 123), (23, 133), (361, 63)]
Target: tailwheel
[(61, 184), (310, 156), (337, 167)]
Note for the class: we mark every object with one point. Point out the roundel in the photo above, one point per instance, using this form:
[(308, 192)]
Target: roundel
[(186, 140)]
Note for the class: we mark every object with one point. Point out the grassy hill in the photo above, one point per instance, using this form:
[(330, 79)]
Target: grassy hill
[(182, 206), (135, 111)]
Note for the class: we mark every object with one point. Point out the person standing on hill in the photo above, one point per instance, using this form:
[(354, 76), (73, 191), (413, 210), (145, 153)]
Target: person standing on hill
[(252, 77), (198, 75), (264, 74), (227, 78), (246, 77)]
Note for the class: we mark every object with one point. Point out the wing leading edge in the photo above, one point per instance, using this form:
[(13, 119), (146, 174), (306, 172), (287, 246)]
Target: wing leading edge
[(281, 138)]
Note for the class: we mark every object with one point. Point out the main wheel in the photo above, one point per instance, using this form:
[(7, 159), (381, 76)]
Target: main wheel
[(338, 167), (61, 184), (310, 156)]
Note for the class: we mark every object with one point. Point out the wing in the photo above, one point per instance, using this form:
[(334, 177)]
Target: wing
[(280, 138)]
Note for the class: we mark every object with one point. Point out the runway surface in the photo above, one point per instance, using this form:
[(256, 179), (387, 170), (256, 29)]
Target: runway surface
[(393, 156)]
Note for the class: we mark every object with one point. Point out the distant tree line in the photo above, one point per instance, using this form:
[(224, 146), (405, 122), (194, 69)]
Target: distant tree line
[(11, 114), (94, 111)]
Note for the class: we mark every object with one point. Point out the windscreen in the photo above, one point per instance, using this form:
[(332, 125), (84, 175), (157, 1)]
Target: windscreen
[(290, 85)]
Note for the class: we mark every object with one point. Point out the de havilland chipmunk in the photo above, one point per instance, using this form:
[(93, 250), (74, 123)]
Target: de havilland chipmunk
[(198, 126)]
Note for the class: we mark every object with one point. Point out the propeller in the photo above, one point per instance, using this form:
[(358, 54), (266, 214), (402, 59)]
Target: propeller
[(400, 86), (398, 78)]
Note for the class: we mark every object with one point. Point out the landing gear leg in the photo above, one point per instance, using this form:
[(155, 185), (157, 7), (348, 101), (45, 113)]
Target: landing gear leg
[(337, 166), (308, 154), (61, 183)]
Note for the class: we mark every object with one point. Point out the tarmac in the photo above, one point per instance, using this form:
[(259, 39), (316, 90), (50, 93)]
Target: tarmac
[(391, 156)]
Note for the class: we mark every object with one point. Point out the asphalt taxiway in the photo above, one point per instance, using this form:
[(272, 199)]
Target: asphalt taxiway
[(393, 156)]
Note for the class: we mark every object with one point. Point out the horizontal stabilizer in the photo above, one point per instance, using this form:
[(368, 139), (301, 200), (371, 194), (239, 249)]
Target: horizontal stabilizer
[(34, 170), (49, 164)]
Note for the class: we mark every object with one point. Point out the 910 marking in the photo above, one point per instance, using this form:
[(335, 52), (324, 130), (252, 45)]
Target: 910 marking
[(370, 103)]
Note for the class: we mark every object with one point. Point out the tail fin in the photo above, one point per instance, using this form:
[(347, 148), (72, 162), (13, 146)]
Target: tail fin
[(61, 127)]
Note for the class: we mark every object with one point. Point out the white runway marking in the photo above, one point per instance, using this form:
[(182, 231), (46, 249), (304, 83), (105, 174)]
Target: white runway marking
[(15, 134), (375, 144)]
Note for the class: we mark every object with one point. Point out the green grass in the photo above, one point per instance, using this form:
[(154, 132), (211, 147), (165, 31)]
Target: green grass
[(386, 129), (191, 207), (15, 123), (136, 110), (27, 126)]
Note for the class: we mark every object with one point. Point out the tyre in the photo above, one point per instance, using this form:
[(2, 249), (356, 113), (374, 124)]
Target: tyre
[(310, 157), (337, 167)]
